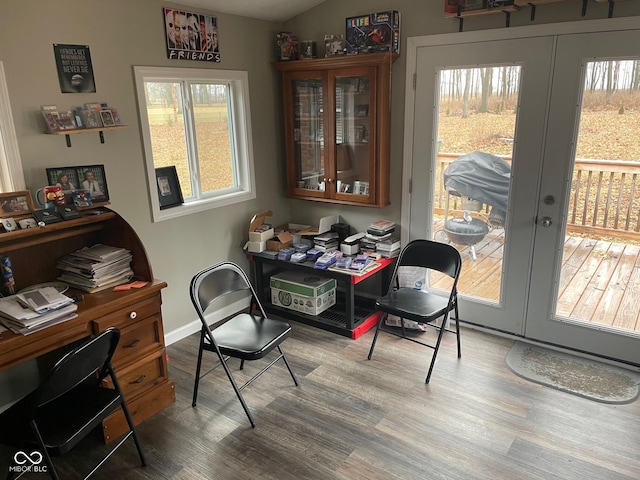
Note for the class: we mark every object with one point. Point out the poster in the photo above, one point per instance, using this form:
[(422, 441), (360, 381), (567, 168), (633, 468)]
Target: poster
[(75, 72), (191, 36)]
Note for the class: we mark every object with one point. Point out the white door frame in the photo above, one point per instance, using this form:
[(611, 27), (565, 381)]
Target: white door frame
[(414, 43)]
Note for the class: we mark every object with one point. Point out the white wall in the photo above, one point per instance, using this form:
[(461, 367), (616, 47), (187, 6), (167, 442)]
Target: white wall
[(124, 33), (121, 34)]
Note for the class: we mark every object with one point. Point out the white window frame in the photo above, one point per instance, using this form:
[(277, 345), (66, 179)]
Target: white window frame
[(11, 173), (239, 126)]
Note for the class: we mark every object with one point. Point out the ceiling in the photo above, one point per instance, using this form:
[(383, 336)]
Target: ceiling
[(274, 10)]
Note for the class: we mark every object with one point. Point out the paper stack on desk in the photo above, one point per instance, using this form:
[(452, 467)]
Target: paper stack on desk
[(32, 311), (96, 268)]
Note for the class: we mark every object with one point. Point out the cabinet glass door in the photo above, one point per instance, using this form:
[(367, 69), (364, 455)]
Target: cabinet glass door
[(353, 132), (308, 134)]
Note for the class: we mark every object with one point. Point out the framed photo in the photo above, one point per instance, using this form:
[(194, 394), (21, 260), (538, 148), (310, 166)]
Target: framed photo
[(107, 118), (15, 203), (93, 180), (65, 177), (191, 36), (169, 191)]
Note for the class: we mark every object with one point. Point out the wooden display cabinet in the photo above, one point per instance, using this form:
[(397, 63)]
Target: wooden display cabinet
[(140, 361), (337, 114)]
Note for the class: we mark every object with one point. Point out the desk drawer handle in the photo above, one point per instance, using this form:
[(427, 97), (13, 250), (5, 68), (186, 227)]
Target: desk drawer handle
[(133, 315), (133, 344), (139, 380)]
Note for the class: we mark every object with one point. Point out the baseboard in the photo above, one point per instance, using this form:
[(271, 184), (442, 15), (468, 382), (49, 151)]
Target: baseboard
[(194, 326)]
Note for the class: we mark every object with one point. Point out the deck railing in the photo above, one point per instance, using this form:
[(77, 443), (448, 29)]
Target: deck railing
[(604, 201)]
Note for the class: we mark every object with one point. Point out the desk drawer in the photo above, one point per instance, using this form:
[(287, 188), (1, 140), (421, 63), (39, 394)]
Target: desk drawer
[(137, 340), (141, 375), (132, 313), (153, 401)]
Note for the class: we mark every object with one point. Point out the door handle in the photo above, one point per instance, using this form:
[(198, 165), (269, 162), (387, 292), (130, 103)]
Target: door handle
[(546, 221)]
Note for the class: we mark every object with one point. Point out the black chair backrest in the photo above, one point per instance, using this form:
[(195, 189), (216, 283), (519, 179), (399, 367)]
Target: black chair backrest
[(78, 365), (216, 281), (433, 255)]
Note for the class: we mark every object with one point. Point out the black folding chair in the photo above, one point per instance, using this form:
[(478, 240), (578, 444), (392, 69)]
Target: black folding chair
[(244, 335), (68, 404), (418, 305)]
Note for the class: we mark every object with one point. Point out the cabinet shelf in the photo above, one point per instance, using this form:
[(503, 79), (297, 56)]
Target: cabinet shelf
[(79, 131)]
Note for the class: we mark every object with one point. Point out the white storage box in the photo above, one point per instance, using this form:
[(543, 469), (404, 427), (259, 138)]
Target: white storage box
[(303, 292)]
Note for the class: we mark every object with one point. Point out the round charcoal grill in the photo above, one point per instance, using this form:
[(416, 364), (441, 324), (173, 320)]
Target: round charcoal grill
[(466, 232)]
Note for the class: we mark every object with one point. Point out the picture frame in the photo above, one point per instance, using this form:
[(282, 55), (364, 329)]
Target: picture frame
[(66, 177), (191, 36), (93, 179), (168, 186), (107, 118), (14, 204)]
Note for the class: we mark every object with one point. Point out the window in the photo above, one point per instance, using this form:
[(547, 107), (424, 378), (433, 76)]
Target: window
[(197, 120), (11, 175)]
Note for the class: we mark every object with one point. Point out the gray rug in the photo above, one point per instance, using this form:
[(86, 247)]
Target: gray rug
[(580, 376)]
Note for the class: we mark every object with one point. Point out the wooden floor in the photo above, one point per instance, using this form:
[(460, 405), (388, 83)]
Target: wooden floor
[(600, 281), (356, 419)]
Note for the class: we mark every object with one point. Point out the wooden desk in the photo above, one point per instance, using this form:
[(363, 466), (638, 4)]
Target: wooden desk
[(140, 360), (353, 314)]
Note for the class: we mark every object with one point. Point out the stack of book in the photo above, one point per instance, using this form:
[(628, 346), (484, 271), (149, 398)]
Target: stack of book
[(389, 247), (96, 268), (26, 313), (326, 242), (377, 231)]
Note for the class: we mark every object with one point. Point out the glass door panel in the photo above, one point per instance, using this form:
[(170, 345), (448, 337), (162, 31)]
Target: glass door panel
[(309, 134), (598, 278), (353, 129), (476, 120)]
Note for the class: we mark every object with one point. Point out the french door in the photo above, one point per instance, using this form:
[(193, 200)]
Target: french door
[(513, 261)]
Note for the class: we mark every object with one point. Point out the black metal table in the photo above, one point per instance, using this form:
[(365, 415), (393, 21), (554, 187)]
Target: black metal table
[(352, 315)]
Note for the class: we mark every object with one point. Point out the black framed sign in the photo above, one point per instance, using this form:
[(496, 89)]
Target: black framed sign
[(169, 191), (75, 72)]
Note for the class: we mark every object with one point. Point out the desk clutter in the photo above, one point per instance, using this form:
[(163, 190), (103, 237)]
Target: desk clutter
[(31, 311), (330, 245), (96, 268)]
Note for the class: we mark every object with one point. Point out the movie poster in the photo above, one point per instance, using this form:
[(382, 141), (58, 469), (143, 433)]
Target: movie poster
[(75, 72), (191, 36)]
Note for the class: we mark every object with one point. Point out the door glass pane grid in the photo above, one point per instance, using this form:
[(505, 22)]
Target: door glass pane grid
[(352, 134), (476, 119), (309, 133), (600, 273)]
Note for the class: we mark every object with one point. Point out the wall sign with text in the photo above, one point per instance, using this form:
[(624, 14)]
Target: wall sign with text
[(74, 68)]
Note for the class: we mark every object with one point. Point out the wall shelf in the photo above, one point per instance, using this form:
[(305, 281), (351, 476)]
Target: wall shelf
[(78, 131), (507, 10)]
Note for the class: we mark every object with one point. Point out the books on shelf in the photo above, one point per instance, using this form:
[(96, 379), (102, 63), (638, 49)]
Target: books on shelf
[(51, 117)]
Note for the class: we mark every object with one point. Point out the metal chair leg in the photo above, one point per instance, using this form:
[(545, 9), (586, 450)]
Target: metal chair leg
[(286, 362), (436, 348), (383, 316), (198, 366)]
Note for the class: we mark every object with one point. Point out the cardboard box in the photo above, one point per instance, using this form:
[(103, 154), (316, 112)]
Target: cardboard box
[(293, 229), (375, 32), (256, 247), (280, 241), (303, 292), (262, 235)]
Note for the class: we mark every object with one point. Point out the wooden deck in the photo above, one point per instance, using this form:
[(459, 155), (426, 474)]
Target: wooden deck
[(600, 281)]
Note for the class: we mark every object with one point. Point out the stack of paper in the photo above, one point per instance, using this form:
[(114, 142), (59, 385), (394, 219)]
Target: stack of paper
[(96, 268), (32, 311)]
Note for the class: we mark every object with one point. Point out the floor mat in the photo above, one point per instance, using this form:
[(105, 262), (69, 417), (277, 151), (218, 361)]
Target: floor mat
[(580, 376)]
